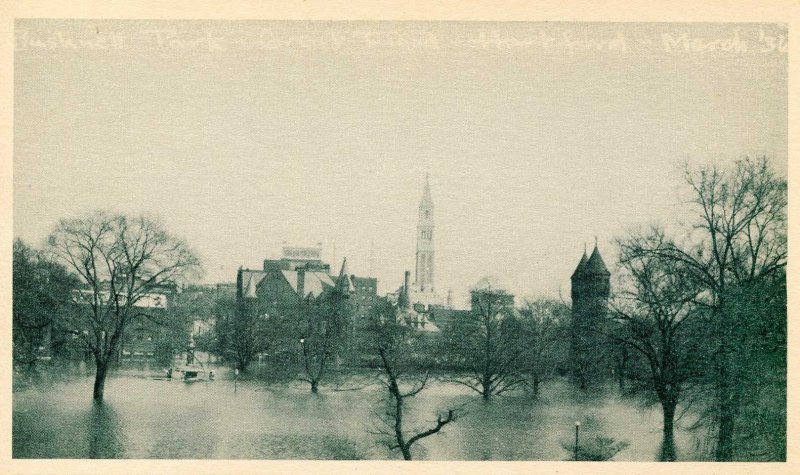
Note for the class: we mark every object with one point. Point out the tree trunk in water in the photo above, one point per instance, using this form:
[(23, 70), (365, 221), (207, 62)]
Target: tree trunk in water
[(100, 381), (406, 452), (724, 450), (668, 442)]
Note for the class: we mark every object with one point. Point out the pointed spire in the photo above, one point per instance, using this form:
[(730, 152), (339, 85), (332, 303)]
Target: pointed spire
[(343, 282), (426, 192), (595, 264), (251, 288), (581, 265)]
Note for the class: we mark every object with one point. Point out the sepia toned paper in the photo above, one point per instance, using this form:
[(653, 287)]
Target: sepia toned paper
[(531, 134)]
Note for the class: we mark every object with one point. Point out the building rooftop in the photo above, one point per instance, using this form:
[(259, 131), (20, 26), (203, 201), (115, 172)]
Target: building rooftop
[(595, 264), (581, 265)]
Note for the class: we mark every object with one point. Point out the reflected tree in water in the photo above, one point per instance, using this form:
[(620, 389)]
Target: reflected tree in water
[(104, 433)]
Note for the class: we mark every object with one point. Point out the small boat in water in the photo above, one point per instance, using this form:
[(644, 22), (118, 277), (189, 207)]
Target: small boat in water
[(194, 375)]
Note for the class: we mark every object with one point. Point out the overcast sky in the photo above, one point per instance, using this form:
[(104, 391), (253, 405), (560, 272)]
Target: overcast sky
[(244, 135)]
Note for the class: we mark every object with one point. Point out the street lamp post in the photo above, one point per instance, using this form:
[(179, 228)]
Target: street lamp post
[(235, 378), (577, 428)]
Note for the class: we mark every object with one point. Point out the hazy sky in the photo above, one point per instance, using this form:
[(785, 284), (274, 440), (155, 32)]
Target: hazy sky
[(245, 135)]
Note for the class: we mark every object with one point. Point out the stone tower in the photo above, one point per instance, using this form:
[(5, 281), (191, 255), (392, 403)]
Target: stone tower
[(590, 292), (591, 284), (424, 275)]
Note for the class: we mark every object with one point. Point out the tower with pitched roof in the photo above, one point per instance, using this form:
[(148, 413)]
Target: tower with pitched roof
[(591, 281), (590, 292), (425, 247)]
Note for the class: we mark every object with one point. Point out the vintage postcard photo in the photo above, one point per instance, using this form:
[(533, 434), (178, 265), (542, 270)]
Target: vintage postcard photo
[(399, 240)]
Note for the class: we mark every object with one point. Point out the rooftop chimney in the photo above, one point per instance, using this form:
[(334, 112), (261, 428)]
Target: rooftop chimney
[(403, 300), (301, 281)]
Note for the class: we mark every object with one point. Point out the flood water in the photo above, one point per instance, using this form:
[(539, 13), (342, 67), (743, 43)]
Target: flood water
[(146, 418)]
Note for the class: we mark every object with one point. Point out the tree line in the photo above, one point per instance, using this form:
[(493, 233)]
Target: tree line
[(696, 319)]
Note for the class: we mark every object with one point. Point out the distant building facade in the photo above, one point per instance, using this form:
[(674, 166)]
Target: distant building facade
[(282, 283), (413, 315)]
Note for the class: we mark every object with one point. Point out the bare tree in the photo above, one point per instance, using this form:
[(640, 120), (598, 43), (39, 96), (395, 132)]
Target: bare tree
[(239, 330), (327, 322), (396, 345), (736, 242), (656, 308), (120, 260), (488, 344), (545, 339)]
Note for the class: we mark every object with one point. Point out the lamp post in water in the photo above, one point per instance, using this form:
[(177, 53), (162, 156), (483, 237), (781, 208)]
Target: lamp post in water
[(577, 428), (305, 354), (235, 378)]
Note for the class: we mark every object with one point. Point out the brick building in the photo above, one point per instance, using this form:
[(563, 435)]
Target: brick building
[(280, 285)]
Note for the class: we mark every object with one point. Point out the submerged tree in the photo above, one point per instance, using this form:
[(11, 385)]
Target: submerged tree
[(656, 311), (488, 343), (396, 344), (327, 323), (326, 329), (119, 260), (735, 253), (239, 330), (545, 339)]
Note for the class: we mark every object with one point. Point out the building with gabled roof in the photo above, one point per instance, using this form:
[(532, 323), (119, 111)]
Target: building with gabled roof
[(282, 283)]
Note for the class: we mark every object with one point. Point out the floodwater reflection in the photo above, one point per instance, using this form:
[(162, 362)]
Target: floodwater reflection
[(104, 433), (145, 418)]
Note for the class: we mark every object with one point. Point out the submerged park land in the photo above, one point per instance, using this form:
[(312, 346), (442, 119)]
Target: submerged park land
[(148, 418)]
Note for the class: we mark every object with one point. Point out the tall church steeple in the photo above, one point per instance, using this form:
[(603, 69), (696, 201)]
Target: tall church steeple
[(425, 249)]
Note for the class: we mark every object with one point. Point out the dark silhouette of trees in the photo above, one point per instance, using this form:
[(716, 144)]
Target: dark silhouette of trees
[(660, 322), (42, 297), (240, 333), (488, 343), (119, 261), (397, 344), (324, 339), (735, 251), (545, 339)]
